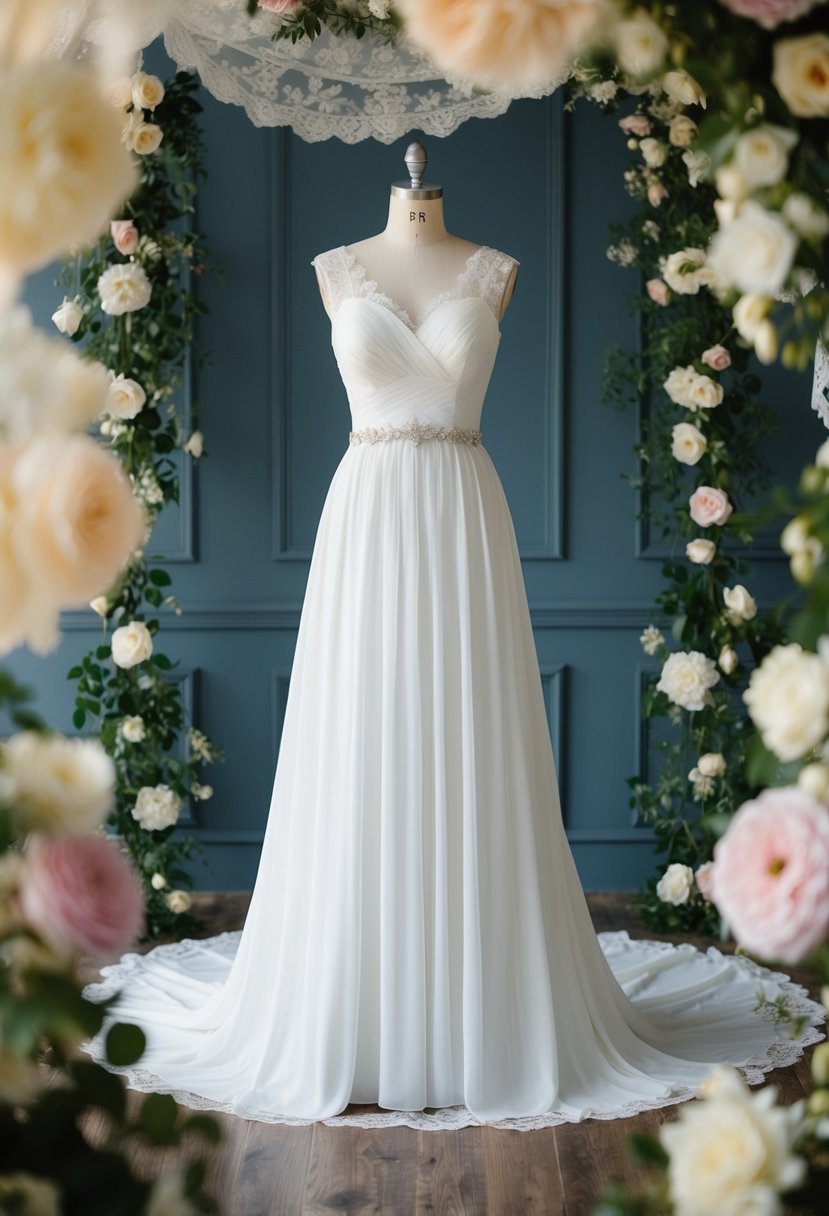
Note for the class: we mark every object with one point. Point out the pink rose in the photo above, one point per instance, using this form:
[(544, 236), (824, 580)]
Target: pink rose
[(771, 874), (124, 236), (80, 893), (658, 291), (635, 124), (717, 357), (770, 13), (703, 877), (709, 506), (279, 6), (656, 194)]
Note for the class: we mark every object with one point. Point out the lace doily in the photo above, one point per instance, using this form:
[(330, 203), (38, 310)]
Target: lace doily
[(781, 1052)]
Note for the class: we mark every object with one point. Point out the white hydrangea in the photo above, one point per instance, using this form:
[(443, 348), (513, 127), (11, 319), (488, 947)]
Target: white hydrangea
[(687, 678)]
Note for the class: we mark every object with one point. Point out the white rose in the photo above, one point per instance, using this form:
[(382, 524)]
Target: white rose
[(728, 659), (731, 183), (698, 164), (676, 884), (195, 445), (131, 644), (132, 728), (682, 131), (705, 393), (796, 535), (63, 169), (814, 779), (201, 793), (158, 882), (741, 606), (125, 398), (156, 807), (700, 551), (762, 154), (749, 313), (734, 1151), (765, 342), (118, 92), (688, 444), (712, 764), (683, 271), (788, 700), (178, 901), (801, 74), (59, 784), (99, 605), (124, 288), (654, 152), (145, 138), (681, 86), (651, 639), (640, 45), (147, 91), (68, 316), (754, 253), (679, 383), (807, 218), (687, 677)]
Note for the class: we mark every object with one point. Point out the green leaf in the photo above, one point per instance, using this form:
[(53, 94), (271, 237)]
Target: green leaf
[(646, 1150), (79, 718), (160, 578), (125, 1044), (158, 1117)]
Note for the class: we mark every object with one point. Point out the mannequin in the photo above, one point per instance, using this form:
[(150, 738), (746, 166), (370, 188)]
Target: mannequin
[(414, 258)]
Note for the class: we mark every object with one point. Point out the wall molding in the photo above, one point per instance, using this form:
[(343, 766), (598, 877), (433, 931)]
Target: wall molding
[(253, 838)]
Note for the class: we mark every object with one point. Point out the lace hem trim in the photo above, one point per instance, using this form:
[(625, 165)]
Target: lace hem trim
[(780, 1054)]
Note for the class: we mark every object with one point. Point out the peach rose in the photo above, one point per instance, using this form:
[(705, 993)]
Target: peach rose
[(124, 236), (703, 876), (81, 893), (771, 874), (656, 194), (517, 45), (77, 518), (709, 506), (659, 292), (636, 124), (716, 357)]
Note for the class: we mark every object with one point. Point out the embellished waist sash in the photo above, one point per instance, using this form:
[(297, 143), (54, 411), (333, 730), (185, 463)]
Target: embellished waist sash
[(416, 432)]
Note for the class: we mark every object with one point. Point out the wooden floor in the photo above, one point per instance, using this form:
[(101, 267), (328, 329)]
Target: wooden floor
[(273, 1170)]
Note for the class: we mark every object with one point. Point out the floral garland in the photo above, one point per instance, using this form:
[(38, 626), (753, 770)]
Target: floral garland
[(133, 311), (307, 18)]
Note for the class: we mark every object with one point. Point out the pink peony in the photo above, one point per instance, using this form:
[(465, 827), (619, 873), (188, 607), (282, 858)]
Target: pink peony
[(771, 874), (709, 506), (658, 291), (717, 357), (80, 893), (770, 13), (656, 194), (124, 236), (703, 876), (635, 124)]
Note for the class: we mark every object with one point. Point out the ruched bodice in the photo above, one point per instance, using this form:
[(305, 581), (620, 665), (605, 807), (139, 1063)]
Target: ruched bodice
[(434, 369)]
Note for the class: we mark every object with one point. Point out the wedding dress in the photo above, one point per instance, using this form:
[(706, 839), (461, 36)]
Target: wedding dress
[(418, 937)]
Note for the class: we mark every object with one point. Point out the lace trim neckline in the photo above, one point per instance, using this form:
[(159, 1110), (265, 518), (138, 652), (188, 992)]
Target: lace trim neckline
[(369, 289)]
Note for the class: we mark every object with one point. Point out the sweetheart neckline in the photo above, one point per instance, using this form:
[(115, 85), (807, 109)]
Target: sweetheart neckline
[(388, 306), (372, 291)]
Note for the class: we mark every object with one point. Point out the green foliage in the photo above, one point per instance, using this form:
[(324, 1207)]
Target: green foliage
[(312, 16)]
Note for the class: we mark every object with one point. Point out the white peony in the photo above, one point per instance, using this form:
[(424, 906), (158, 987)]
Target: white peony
[(125, 398), (147, 91), (131, 644), (762, 154), (58, 784), (749, 313), (640, 45), (733, 1152), (712, 764), (132, 728), (700, 551), (685, 271), (808, 219), (682, 131), (681, 86), (68, 316), (63, 169), (178, 901), (688, 444), (754, 253), (676, 884), (788, 700), (687, 678), (654, 152), (679, 383), (728, 659), (801, 74), (124, 288), (741, 606), (156, 807), (651, 639)]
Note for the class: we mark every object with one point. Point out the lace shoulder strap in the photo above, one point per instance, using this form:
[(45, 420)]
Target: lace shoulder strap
[(487, 275), (333, 268)]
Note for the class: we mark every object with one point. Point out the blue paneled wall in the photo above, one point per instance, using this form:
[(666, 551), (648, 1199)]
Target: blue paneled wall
[(542, 186)]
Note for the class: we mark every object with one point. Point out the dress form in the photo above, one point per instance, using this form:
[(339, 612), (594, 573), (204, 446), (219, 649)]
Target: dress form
[(414, 259)]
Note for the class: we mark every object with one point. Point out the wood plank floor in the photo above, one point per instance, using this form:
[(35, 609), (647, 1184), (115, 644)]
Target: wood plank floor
[(265, 1169)]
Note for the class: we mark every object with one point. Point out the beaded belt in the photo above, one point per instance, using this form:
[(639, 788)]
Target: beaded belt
[(415, 432)]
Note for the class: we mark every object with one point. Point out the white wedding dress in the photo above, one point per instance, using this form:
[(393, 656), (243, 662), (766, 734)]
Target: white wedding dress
[(418, 937)]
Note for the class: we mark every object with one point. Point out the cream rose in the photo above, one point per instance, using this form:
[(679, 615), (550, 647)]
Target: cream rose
[(801, 74), (158, 882), (99, 605), (125, 398), (178, 901), (68, 316), (195, 445), (698, 164), (640, 46), (709, 506), (808, 219), (700, 551), (687, 678), (685, 271), (754, 253), (712, 764), (731, 183), (762, 154), (156, 807), (145, 138), (147, 91), (676, 884), (749, 313), (681, 86), (688, 444), (58, 784), (679, 383), (740, 604), (788, 700), (124, 288), (63, 169), (728, 659), (654, 152), (705, 393), (131, 644), (132, 728), (765, 342), (682, 131), (814, 779)]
